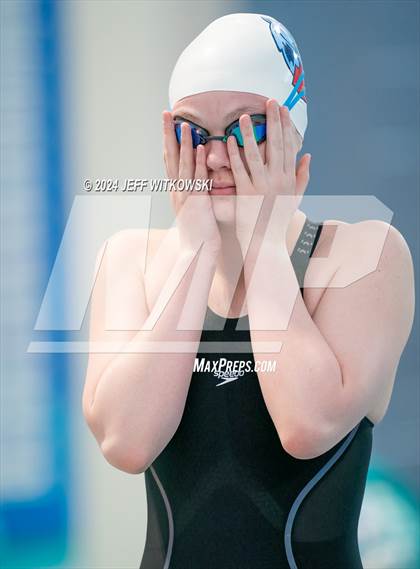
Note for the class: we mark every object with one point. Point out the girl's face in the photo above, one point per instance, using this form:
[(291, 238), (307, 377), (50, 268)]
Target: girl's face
[(214, 111)]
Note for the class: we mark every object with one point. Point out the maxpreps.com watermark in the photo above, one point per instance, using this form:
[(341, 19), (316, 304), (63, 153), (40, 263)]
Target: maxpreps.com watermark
[(129, 185), (229, 370)]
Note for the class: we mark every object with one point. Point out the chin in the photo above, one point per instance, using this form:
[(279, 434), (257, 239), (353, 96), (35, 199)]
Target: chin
[(224, 209)]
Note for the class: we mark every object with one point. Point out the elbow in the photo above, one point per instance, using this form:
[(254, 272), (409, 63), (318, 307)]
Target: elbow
[(92, 421), (303, 441), (88, 413), (132, 461)]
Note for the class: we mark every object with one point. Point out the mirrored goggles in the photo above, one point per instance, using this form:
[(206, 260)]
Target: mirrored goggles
[(200, 135)]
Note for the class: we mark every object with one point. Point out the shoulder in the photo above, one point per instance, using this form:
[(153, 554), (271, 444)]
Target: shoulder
[(371, 231), (370, 254), (371, 240), (130, 247), (372, 261), (133, 238)]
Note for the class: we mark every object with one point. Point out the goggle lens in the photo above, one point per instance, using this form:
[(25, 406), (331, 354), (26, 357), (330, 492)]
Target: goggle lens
[(259, 133), (200, 137), (196, 136)]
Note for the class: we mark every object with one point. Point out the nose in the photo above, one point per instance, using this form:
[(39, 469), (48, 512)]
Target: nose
[(217, 155)]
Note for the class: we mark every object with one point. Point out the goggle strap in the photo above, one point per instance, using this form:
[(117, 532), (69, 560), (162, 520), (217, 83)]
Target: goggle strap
[(293, 97)]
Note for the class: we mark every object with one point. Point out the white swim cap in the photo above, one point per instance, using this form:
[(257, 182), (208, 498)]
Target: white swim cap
[(253, 53)]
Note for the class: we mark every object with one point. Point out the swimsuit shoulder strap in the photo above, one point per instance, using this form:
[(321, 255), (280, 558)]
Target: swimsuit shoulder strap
[(305, 246)]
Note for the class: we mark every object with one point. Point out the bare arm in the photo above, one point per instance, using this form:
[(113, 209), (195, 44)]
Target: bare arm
[(335, 365), (134, 398)]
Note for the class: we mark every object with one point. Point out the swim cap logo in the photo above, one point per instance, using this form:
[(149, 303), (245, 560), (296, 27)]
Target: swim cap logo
[(288, 48)]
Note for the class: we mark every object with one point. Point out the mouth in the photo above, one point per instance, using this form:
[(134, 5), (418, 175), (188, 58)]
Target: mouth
[(223, 191)]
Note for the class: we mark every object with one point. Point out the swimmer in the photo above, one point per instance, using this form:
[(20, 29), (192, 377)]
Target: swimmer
[(250, 468)]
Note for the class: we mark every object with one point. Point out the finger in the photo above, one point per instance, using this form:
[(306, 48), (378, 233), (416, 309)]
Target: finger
[(186, 154), (275, 144), (289, 146), (240, 175), (170, 146), (252, 154), (303, 174), (200, 163), (201, 172)]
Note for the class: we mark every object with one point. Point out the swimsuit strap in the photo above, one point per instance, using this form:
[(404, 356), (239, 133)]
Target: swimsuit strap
[(304, 248)]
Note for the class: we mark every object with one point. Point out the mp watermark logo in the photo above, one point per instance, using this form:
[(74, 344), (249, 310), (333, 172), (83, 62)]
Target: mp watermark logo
[(95, 219)]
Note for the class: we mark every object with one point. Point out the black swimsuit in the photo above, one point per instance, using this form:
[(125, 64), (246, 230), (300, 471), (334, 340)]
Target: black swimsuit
[(224, 494)]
